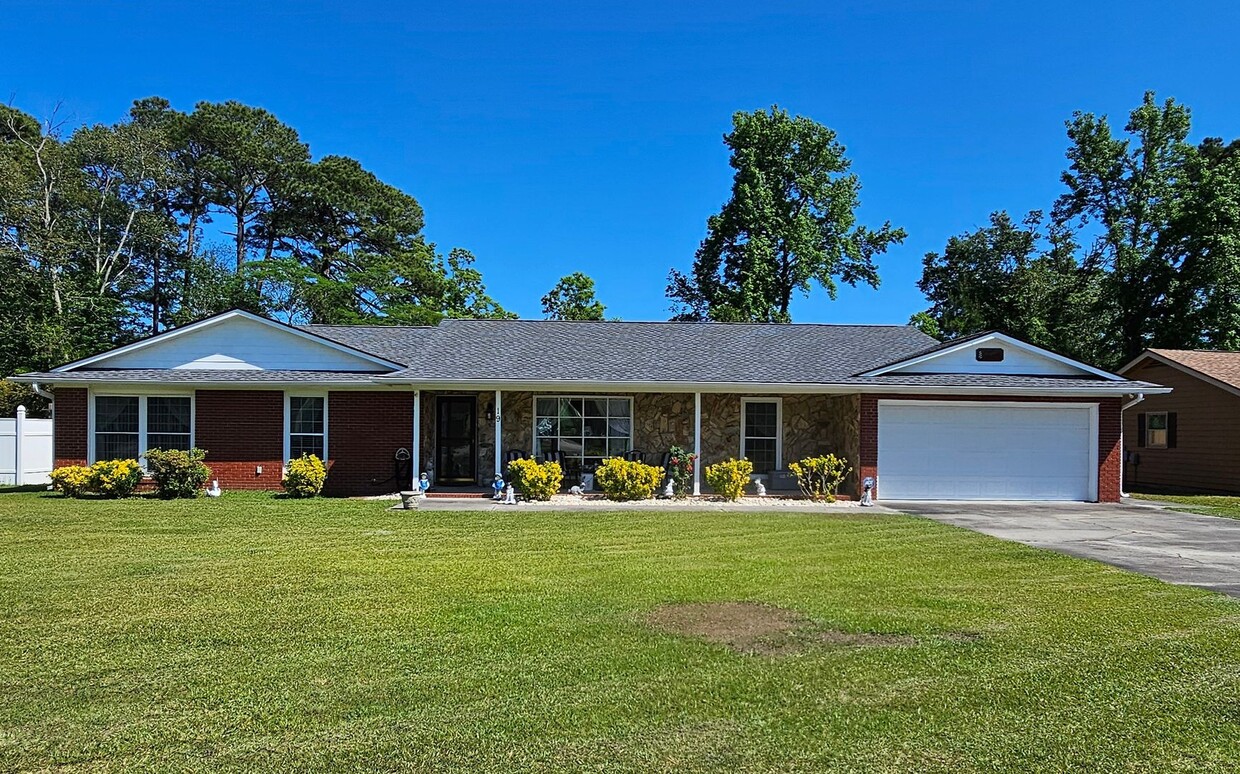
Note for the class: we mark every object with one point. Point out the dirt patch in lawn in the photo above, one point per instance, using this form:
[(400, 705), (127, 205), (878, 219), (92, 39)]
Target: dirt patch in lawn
[(764, 630)]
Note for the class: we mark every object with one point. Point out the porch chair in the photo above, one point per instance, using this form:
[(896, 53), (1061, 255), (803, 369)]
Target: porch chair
[(635, 455), (514, 454)]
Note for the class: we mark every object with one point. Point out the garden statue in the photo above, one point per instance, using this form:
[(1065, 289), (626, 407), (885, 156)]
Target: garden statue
[(669, 491), (759, 487), (497, 488), (424, 483), (576, 490), (867, 491), (510, 495)]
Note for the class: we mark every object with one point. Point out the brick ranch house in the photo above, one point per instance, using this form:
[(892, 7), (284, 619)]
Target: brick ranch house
[(988, 417)]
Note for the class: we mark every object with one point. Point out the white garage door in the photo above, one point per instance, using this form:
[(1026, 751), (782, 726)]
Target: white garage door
[(986, 451)]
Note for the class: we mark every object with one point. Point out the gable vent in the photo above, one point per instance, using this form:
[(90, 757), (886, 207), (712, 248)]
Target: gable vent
[(990, 354)]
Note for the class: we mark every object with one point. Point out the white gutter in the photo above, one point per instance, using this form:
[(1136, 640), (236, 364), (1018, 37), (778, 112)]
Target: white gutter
[(1140, 397), (42, 393)]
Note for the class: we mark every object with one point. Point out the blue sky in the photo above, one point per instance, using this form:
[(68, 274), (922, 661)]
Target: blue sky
[(587, 136)]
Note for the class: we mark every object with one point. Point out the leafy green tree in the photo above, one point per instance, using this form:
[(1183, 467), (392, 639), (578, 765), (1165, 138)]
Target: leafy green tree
[(1015, 277), (1124, 193), (247, 154), (790, 222), (573, 298)]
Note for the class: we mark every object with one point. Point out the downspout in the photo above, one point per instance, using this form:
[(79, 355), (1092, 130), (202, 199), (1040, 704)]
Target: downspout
[(1140, 397), (42, 393)]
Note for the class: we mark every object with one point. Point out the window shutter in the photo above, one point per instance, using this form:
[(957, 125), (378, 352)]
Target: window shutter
[(1171, 429), (1140, 429)]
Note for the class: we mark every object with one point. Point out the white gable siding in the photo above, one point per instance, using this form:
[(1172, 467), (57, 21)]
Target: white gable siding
[(240, 344), (1016, 360)]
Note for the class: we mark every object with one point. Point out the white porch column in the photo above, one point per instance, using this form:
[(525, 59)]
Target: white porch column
[(416, 456), (499, 432), (697, 443)]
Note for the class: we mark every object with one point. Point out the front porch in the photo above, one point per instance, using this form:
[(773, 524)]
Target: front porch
[(456, 431)]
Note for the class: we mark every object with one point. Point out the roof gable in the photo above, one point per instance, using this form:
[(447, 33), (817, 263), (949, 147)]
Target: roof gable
[(1018, 358), (232, 341), (1217, 368)]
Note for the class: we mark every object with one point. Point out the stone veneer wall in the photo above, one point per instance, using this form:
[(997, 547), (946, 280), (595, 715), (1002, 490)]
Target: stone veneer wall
[(813, 424)]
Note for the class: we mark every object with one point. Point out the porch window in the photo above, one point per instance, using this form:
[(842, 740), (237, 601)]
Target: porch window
[(761, 434), (127, 426), (586, 430), (307, 421)]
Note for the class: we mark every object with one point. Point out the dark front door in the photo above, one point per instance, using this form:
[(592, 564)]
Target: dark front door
[(455, 436)]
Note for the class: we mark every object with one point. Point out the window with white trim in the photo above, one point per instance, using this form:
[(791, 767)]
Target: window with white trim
[(1156, 430), (307, 422), (586, 430), (127, 426), (761, 433)]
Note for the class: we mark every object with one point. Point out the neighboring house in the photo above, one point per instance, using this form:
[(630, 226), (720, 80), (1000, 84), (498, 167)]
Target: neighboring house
[(1188, 440), (988, 417)]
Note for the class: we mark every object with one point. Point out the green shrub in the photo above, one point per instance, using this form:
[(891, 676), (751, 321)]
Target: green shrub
[(820, 477), (115, 478), (71, 480), (621, 479), (535, 480), (680, 469), (178, 473), (729, 478), (304, 476)]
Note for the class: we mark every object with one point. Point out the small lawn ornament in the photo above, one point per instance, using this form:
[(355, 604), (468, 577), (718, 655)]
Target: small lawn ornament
[(424, 483), (867, 491), (759, 487), (576, 490), (497, 488), (214, 489), (510, 495), (669, 491)]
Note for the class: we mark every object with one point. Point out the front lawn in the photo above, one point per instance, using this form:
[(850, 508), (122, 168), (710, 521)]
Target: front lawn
[(252, 633), (1211, 505)]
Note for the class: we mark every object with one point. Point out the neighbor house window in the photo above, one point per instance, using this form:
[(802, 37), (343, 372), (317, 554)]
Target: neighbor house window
[(127, 426), (307, 422), (584, 430), (1156, 430), (760, 433)]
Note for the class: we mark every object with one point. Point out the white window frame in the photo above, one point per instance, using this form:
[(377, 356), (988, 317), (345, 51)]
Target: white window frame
[(1164, 430), (779, 427), (534, 422), (142, 396), (288, 425)]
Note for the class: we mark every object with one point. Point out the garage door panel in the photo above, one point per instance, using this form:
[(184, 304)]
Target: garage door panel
[(971, 451)]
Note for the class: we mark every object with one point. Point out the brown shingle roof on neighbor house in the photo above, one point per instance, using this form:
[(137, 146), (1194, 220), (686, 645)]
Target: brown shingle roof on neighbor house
[(1220, 366)]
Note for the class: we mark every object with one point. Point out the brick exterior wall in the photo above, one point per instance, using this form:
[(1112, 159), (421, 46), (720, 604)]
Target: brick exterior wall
[(69, 427), (364, 431), (241, 430), (1109, 433)]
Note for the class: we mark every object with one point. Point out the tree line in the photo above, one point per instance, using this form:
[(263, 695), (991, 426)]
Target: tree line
[(1142, 249)]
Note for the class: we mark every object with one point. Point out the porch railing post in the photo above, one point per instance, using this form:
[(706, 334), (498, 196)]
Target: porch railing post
[(697, 443), (416, 457)]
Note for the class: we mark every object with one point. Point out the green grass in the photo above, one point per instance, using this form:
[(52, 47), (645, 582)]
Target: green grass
[(252, 633), (1212, 505)]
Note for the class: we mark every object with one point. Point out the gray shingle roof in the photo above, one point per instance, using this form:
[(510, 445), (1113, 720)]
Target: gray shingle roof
[(199, 375), (542, 350), (398, 343), (1083, 383)]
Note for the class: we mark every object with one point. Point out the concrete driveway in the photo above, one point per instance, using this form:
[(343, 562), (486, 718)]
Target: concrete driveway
[(1185, 548)]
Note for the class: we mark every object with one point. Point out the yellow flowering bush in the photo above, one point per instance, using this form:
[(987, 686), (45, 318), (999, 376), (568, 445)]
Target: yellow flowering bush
[(621, 479), (535, 480), (115, 478), (728, 478), (71, 480), (304, 476), (819, 477)]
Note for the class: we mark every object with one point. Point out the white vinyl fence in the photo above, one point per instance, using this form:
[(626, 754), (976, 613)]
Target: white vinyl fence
[(25, 450)]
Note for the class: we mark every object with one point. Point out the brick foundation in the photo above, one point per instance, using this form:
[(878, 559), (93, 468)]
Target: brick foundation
[(1109, 431)]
